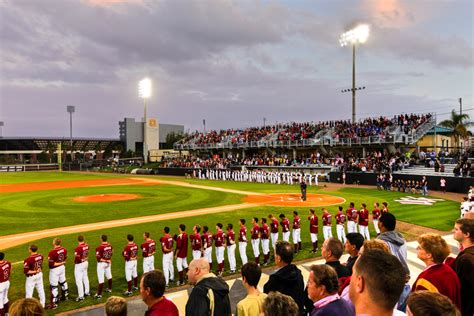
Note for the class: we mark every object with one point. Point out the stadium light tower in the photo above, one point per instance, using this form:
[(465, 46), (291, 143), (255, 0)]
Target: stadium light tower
[(144, 91), (70, 109), (357, 35)]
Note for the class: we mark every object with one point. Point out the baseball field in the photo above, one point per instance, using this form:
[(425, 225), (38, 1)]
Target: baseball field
[(36, 207)]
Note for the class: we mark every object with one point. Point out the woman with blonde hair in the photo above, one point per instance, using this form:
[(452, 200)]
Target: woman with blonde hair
[(27, 307)]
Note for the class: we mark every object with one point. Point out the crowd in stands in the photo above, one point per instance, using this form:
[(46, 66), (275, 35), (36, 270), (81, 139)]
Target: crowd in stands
[(410, 122)]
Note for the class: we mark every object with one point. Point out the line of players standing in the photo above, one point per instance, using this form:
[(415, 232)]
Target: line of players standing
[(175, 249)]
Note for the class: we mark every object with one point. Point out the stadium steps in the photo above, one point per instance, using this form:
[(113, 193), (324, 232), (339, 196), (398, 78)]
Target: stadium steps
[(237, 290), (424, 171)]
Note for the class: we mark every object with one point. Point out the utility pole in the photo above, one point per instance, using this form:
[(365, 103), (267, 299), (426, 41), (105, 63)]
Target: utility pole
[(460, 106)]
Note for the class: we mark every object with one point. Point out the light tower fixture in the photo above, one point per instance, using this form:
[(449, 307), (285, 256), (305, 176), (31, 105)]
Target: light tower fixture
[(144, 91)]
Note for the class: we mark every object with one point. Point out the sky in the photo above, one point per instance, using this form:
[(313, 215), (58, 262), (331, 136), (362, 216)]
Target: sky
[(233, 64)]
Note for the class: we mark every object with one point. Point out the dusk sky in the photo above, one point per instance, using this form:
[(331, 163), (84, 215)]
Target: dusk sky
[(231, 63)]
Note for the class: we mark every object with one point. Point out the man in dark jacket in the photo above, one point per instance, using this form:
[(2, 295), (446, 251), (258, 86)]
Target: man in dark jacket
[(210, 295), (287, 279)]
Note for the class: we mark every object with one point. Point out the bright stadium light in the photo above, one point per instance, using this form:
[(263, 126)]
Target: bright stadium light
[(144, 91), (357, 35)]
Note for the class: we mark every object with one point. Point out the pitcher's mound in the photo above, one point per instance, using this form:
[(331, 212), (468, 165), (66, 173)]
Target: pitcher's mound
[(281, 199), (106, 198)]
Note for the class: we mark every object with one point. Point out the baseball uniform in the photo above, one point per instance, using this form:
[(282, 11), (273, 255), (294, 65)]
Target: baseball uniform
[(256, 242), (148, 251), (351, 220), (5, 270), (207, 245), (219, 238), (181, 254), (364, 223), (230, 242), (285, 229), (274, 232), (243, 244), (32, 267), (57, 273), (130, 253), (375, 219), (327, 231), (264, 237), (167, 249), (340, 219), (81, 265), (103, 254), (297, 231), (196, 245), (313, 229)]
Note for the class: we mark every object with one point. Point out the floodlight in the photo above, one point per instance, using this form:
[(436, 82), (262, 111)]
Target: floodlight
[(358, 34), (144, 88)]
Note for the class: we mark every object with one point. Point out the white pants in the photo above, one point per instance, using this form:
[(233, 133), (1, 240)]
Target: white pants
[(104, 268), (296, 235), (220, 254), (148, 264), (82, 279), (274, 237), (255, 247), (341, 235), (168, 268), (351, 227), (131, 270), (314, 237), (181, 264), (4, 286), (208, 254), (57, 276), (364, 230), (32, 282), (376, 226), (196, 254), (286, 236), (231, 257), (266, 246), (243, 252), (327, 232)]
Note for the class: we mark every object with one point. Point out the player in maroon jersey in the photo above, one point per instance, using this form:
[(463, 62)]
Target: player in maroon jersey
[(207, 245), (196, 242), (181, 252), (81, 265), (351, 213), (296, 231), (255, 235), (5, 271), (384, 208), (33, 269), (285, 227), (219, 242), (230, 242), (148, 250), (103, 254), (340, 220), (130, 254), (273, 229), (327, 229), (313, 230), (264, 237), (243, 241), (375, 217), (57, 273), (364, 221), (167, 248)]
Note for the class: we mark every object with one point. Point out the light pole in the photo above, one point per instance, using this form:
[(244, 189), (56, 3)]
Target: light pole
[(358, 34), (2, 124), (144, 91), (70, 109)]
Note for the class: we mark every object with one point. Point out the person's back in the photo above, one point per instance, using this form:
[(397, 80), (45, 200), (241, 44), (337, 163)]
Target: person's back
[(251, 305)]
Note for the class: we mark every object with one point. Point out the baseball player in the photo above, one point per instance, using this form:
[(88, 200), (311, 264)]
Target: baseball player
[(375, 217), (167, 249), (5, 271), (207, 245), (364, 221), (130, 253), (243, 241), (196, 242), (103, 254), (327, 231), (81, 265), (340, 220), (296, 231), (32, 268), (313, 230), (219, 242), (57, 273), (285, 227), (351, 213), (384, 208), (264, 237), (181, 252), (255, 235), (273, 230), (148, 250), (230, 242)]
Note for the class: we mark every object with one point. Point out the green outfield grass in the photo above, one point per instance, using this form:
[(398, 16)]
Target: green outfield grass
[(49, 176)]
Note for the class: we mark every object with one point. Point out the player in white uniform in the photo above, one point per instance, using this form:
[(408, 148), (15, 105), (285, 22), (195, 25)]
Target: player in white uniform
[(32, 267), (57, 273), (81, 265)]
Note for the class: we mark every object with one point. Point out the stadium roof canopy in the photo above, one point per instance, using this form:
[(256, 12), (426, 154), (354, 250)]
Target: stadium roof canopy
[(440, 130)]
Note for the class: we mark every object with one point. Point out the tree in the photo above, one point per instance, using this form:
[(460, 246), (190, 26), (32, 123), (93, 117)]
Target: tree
[(459, 124), (172, 138)]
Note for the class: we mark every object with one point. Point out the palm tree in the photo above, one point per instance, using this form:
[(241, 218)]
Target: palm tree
[(459, 124)]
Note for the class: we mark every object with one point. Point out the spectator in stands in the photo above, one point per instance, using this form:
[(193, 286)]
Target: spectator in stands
[(288, 278), (376, 284), (198, 303), (152, 288), (353, 243), (425, 303), (332, 251), (115, 306), (323, 285), (252, 303), (464, 263), (438, 276), (277, 304), (27, 307)]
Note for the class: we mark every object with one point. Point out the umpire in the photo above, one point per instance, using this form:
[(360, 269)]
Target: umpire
[(303, 190)]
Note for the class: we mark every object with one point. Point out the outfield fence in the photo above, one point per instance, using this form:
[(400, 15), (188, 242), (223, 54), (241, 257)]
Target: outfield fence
[(29, 167)]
